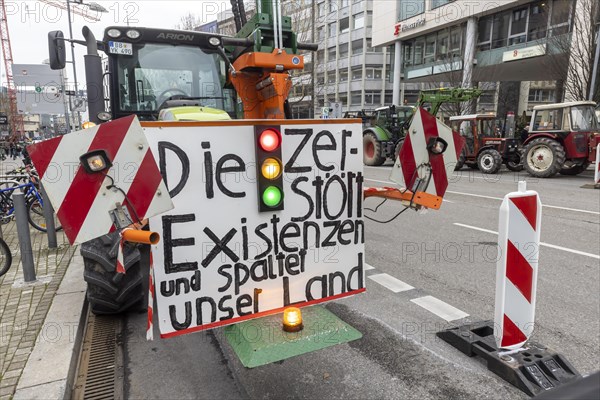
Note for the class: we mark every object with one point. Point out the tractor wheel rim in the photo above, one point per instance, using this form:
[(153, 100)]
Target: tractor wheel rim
[(487, 161), (370, 150), (540, 158)]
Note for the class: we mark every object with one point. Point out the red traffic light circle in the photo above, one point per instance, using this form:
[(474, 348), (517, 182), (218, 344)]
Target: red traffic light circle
[(269, 140)]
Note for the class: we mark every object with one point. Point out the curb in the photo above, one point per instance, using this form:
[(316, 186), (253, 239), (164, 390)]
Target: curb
[(50, 368)]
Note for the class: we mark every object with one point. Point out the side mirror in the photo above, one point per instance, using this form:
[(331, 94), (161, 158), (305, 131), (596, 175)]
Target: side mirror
[(57, 50)]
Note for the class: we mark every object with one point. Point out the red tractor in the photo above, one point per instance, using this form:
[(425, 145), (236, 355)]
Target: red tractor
[(562, 138), (485, 148)]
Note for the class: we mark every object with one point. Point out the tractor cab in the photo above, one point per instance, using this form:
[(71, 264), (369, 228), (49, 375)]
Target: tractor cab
[(166, 75), (562, 138), (485, 148), (392, 118)]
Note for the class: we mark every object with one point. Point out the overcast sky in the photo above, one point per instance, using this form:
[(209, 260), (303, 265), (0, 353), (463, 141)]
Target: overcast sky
[(30, 21)]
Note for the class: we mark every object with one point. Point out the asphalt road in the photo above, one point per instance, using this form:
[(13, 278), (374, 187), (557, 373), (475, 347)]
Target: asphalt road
[(428, 272)]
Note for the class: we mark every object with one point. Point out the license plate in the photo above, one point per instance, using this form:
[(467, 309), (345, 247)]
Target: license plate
[(120, 48)]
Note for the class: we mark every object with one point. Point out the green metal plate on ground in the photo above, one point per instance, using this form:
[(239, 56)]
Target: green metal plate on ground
[(263, 341)]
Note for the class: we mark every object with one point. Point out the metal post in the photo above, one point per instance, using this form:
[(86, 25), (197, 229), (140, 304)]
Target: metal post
[(49, 217), (24, 238), (595, 68), (77, 122)]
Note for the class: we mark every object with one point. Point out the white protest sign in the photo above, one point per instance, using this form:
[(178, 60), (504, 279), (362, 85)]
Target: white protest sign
[(220, 260)]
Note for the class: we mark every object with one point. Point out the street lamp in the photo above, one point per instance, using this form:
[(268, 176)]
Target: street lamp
[(93, 7)]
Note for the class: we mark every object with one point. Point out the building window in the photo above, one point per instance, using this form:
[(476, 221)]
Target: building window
[(355, 98), (538, 20), (455, 42), (541, 96), (345, 25), (559, 21), (333, 6), (419, 46), (331, 77), (429, 48), (410, 8), (443, 41), (344, 3), (485, 33), (372, 97), (518, 26), (320, 33), (343, 76), (389, 97), (500, 30), (343, 50), (331, 52), (369, 19), (357, 74), (332, 29), (373, 73), (357, 47), (407, 54), (359, 20), (439, 3), (320, 79), (321, 9), (343, 99)]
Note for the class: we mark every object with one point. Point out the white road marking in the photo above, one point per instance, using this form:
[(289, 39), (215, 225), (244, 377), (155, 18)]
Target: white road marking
[(367, 267), (495, 198), (552, 246), (440, 308), (543, 205), (391, 283)]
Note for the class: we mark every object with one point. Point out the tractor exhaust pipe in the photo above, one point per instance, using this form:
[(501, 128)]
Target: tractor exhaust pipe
[(93, 76)]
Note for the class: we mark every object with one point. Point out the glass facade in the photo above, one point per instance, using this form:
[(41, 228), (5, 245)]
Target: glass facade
[(445, 44), (410, 8)]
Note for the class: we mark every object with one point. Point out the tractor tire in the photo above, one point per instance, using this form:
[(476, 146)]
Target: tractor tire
[(543, 157), (460, 161), (110, 292), (372, 150), (489, 161), (574, 169)]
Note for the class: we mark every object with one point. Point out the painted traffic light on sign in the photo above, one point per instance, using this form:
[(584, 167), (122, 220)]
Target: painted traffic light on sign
[(269, 168)]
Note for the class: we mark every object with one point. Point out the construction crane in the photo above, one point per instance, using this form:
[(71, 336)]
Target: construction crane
[(15, 119)]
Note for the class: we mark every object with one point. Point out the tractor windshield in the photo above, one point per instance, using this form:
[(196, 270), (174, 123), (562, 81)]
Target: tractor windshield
[(156, 72), (583, 118)]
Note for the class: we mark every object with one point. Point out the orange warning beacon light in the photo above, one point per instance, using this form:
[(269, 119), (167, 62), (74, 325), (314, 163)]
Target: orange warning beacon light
[(292, 319)]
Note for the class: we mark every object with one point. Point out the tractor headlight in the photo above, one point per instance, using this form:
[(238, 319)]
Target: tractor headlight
[(104, 116), (113, 33), (133, 34), (437, 145), (95, 161)]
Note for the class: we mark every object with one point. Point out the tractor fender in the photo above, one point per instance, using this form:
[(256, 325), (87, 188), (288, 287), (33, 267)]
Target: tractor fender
[(540, 135), (484, 148), (379, 133)]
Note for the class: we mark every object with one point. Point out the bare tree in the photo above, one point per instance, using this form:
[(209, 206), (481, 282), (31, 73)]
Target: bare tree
[(189, 22), (580, 48)]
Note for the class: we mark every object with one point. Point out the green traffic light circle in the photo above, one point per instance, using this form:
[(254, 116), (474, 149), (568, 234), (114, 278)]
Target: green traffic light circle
[(271, 196)]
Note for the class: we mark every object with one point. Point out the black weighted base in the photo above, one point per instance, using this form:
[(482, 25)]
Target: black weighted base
[(534, 368)]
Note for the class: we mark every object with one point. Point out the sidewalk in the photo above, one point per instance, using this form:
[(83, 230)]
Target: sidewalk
[(24, 307)]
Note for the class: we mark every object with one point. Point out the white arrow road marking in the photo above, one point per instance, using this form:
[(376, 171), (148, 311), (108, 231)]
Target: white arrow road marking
[(391, 283)]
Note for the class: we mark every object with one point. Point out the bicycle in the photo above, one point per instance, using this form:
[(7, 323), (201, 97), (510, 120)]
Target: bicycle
[(5, 257), (33, 201)]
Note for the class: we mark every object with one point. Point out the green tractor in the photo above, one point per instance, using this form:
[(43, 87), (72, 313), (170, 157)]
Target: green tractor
[(384, 132), (383, 137)]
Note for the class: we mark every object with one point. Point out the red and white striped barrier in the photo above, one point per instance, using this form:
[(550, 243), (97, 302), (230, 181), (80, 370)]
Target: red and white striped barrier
[(82, 200), (414, 154), (597, 171), (517, 267)]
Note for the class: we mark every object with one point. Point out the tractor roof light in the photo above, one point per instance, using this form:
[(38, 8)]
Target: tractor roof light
[(269, 140), (95, 161), (104, 116), (292, 319), (437, 145), (214, 41), (133, 34), (113, 33)]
